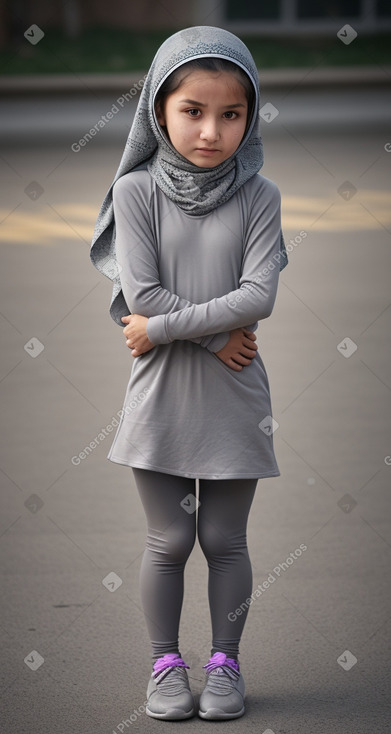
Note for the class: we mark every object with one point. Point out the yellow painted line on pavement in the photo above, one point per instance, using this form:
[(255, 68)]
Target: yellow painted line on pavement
[(367, 210)]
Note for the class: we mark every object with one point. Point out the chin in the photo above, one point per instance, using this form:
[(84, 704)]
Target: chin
[(207, 162)]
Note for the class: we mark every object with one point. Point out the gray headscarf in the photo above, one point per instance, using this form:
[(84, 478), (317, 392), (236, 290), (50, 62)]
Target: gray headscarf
[(196, 190)]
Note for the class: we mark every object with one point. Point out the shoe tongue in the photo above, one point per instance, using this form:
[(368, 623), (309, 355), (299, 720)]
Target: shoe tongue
[(225, 671), (221, 672)]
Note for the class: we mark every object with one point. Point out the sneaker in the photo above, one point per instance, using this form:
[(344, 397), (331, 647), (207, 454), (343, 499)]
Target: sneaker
[(223, 695), (168, 693)]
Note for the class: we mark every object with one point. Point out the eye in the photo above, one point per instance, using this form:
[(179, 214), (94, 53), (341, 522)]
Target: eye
[(194, 109), (231, 112)]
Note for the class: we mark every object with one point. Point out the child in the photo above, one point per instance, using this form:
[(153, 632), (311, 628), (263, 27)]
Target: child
[(194, 231)]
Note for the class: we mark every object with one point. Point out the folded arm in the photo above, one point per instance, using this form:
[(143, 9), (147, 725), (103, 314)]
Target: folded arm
[(253, 300), (139, 272)]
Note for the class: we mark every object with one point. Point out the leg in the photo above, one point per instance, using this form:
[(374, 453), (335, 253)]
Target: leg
[(171, 532), (222, 532)]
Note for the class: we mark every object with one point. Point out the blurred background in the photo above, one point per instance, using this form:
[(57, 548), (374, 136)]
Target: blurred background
[(315, 650), (97, 36)]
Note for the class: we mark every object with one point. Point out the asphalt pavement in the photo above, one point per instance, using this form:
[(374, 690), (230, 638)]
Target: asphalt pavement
[(315, 650)]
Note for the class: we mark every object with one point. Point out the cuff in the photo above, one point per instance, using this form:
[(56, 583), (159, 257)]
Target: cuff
[(156, 329), (218, 341)]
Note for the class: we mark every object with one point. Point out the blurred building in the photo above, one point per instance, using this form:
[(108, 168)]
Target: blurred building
[(302, 17), (260, 17)]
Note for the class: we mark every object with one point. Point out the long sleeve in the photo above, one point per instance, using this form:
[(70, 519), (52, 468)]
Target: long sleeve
[(253, 300), (139, 273)]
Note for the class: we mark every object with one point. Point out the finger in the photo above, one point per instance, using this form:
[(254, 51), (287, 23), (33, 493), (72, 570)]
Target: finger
[(233, 365), (250, 353), (241, 359), (249, 334), (247, 344)]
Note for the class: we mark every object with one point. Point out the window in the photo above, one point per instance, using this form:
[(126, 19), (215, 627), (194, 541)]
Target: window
[(383, 8), (328, 9), (250, 10)]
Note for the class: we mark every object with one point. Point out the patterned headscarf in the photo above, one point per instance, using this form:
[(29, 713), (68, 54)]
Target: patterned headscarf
[(196, 190)]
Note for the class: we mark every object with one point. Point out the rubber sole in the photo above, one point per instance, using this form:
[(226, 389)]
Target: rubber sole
[(219, 714), (173, 714)]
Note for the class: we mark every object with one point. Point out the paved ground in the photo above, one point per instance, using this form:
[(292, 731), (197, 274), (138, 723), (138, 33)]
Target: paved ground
[(65, 526)]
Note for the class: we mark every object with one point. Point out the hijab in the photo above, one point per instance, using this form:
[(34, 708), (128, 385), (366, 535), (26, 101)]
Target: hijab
[(194, 189)]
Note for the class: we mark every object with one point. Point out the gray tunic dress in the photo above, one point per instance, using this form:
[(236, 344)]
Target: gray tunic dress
[(196, 278)]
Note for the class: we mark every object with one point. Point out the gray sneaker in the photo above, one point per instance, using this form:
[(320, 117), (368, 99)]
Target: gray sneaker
[(223, 695), (168, 693)]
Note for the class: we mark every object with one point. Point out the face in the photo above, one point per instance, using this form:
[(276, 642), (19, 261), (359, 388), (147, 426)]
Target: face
[(206, 117)]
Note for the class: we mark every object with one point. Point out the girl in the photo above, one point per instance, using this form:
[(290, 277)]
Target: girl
[(190, 233)]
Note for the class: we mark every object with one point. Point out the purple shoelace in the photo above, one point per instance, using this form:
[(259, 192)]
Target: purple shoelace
[(220, 658), (169, 660)]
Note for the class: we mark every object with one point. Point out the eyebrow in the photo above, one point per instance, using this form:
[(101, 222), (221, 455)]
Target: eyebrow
[(200, 104)]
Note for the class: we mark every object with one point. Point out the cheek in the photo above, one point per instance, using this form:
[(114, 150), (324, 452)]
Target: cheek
[(183, 130), (236, 135), (240, 131)]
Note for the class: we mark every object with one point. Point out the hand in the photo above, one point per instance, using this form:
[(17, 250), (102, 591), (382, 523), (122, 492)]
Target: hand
[(136, 334), (239, 350)]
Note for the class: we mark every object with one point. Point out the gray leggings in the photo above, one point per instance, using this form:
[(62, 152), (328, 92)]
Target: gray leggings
[(172, 526)]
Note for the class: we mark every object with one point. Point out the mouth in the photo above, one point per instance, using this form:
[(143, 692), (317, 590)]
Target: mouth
[(207, 150)]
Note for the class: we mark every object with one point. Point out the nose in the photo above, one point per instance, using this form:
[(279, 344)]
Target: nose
[(210, 129)]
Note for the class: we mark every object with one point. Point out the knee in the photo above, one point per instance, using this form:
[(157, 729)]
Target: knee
[(172, 546), (214, 542)]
